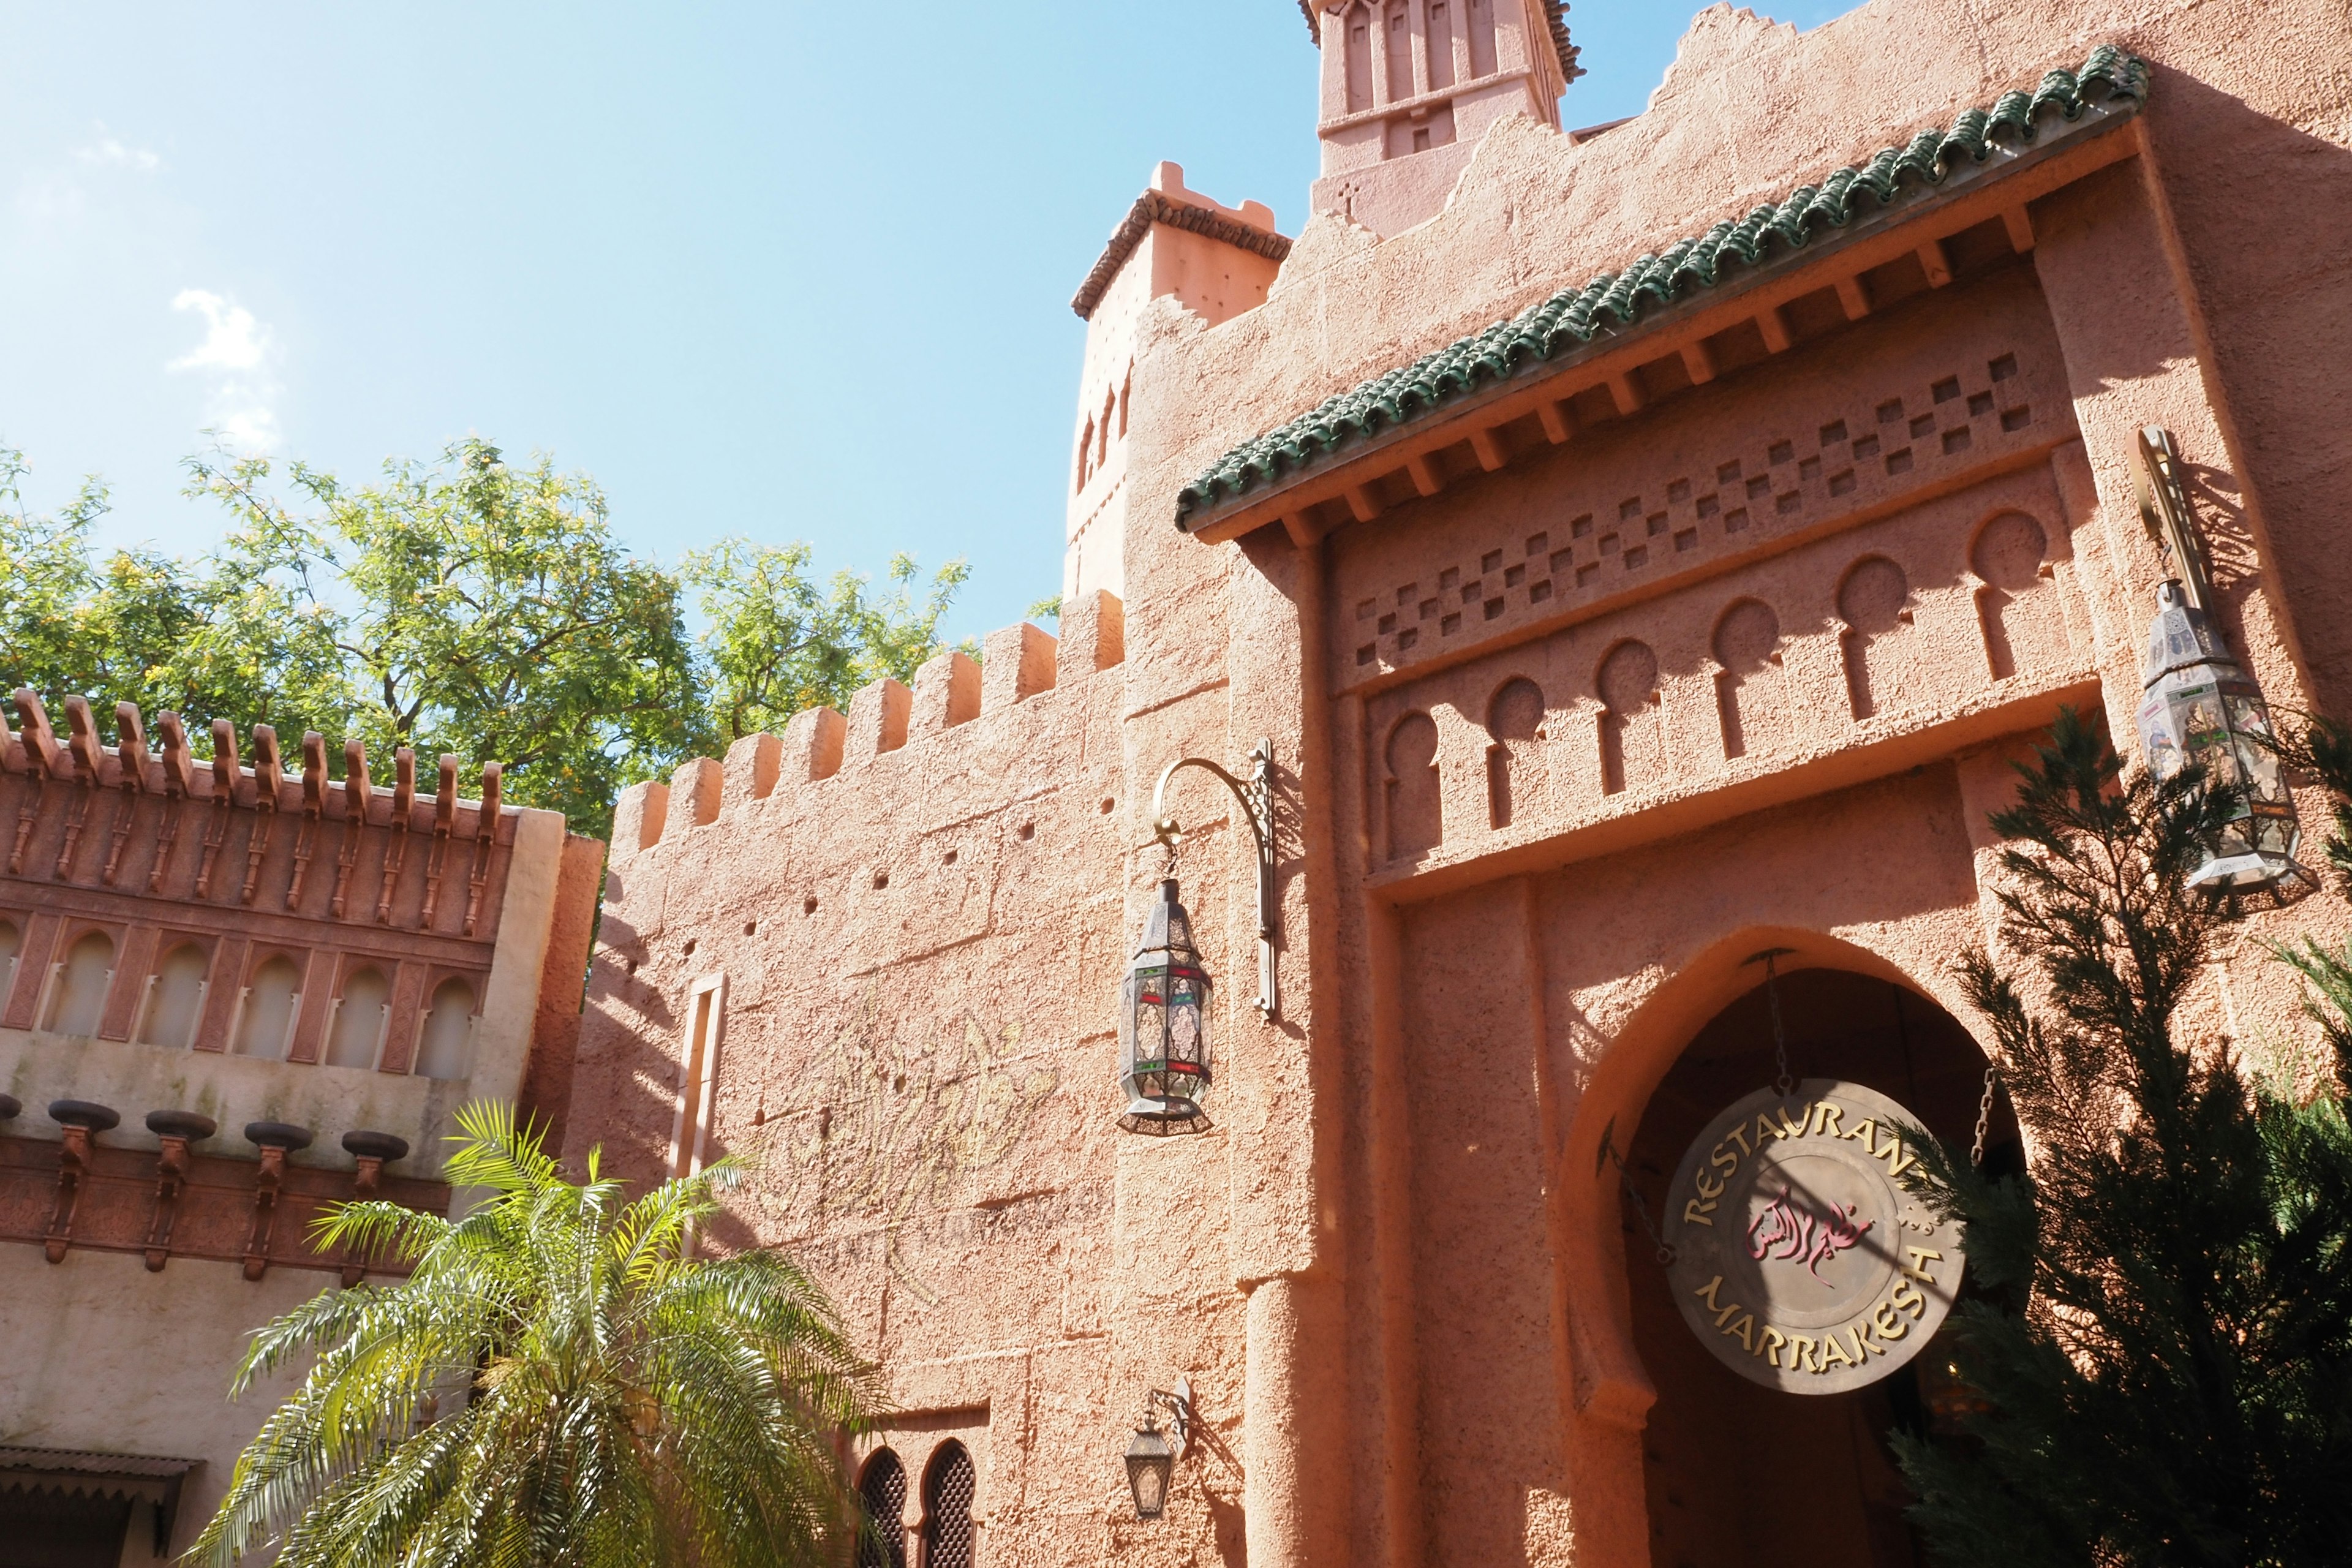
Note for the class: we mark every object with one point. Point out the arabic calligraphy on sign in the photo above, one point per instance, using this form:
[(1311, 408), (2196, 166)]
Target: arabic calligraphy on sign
[(1804, 1259)]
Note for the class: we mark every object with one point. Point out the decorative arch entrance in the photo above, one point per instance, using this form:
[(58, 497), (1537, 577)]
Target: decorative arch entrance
[(1737, 1473)]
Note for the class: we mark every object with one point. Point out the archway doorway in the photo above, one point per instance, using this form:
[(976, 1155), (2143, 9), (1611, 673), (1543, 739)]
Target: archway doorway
[(1740, 1475)]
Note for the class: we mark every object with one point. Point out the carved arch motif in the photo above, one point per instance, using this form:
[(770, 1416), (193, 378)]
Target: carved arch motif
[(1748, 697), (1414, 807), (2018, 610), (1873, 601), (1632, 723), (1515, 750)]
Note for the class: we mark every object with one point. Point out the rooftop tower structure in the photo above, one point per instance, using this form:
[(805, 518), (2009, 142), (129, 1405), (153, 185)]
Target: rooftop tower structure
[(1411, 87)]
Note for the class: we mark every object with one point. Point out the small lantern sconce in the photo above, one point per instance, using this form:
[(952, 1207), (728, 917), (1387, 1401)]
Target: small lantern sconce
[(1164, 1013), (2199, 705), (1150, 1457)]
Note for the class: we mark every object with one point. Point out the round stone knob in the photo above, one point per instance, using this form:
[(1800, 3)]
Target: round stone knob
[(277, 1135), (9, 1105), (87, 1114), (184, 1124), (384, 1146)]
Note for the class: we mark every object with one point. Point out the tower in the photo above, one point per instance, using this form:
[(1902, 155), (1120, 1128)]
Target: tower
[(1215, 260), (1411, 87)]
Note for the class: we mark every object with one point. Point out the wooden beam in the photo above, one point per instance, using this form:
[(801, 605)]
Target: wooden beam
[(1853, 297), (1936, 265), (1489, 450), (1698, 362), (2020, 223), (1624, 394), (1559, 421), (1774, 325), (1424, 477), (1361, 503), (1303, 534)]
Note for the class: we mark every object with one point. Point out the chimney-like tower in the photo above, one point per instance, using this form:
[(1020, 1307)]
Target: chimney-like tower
[(1410, 88), (1216, 261)]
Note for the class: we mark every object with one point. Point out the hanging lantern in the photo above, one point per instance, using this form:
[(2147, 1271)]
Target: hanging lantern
[(1150, 1461), (2200, 707), (1163, 1024)]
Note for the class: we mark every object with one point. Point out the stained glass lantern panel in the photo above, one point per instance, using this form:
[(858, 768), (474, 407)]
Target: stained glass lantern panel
[(1164, 1025), (2199, 708)]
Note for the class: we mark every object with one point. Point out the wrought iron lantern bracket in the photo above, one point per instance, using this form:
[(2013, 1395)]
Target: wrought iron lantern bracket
[(1255, 796)]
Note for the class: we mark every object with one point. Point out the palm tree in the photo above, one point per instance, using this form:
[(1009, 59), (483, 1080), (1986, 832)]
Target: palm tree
[(556, 1384)]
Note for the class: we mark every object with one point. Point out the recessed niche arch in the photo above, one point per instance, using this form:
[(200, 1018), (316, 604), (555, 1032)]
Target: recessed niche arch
[(12, 942), (1515, 750), (175, 998), (1633, 730), (2018, 611), (444, 1046), (356, 1039), (1706, 1479), (265, 1018), (78, 993)]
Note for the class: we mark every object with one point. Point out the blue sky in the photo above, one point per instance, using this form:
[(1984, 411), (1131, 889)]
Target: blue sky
[(789, 270)]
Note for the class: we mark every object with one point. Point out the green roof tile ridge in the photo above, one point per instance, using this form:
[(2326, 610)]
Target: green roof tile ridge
[(1573, 317)]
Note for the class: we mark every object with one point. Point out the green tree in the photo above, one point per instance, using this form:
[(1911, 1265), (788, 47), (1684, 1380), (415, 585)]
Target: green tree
[(469, 607), (479, 609), (559, 1383), (778, 644), (2170, 1380)]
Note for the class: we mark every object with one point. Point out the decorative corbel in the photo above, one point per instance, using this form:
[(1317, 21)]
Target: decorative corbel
[(445, 818), (486, 830), (395, 843), (89, 765), (276, 1140), (225, 769), (130, 767), (175, 1130), (39, 743), (314, 810), (179, 785), (82, 1120), (373, 1151), (359, 796), (267, 776)]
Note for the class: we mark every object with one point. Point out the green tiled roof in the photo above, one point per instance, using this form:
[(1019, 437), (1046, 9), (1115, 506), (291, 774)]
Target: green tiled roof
[(1572, 318)]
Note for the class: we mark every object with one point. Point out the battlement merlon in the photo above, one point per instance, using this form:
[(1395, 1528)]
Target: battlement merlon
[(951, 690), (33, 749)]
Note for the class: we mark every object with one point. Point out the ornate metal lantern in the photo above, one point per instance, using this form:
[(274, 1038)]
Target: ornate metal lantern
[(1150, 1461), (1163, 1024), (2200, 707), (1150, 1457), (2198, 704)]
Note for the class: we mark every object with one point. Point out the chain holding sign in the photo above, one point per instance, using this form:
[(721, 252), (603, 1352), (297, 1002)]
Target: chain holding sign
[(1804, 1257)]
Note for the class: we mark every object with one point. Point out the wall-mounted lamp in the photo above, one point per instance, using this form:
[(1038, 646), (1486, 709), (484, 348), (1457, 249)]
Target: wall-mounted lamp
[(1150, 1457), (1164, 1014), (2198, 704)]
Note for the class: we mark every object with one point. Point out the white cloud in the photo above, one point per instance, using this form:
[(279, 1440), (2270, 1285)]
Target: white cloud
[(236, 354), (110, 151), (232, 338)]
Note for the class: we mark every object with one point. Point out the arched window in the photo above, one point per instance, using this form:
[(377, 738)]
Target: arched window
[(264, 1021), (175, 995), (1359, 45), (445, 1049), (1085, 453), (882, 1493), (947, 1508), (79, 993), (11, 941), (1400, 51), (360, 1014)]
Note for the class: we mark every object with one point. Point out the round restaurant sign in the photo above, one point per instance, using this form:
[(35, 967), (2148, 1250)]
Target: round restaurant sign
[(1802, 1256)]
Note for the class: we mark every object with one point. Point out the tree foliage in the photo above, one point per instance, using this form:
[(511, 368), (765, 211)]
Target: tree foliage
[(557, 1384), (2168, 1360), (472, 607)]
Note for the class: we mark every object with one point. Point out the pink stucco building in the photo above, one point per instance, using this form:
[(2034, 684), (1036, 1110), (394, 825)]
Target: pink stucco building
[(1636, 548), (1693, 609)]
